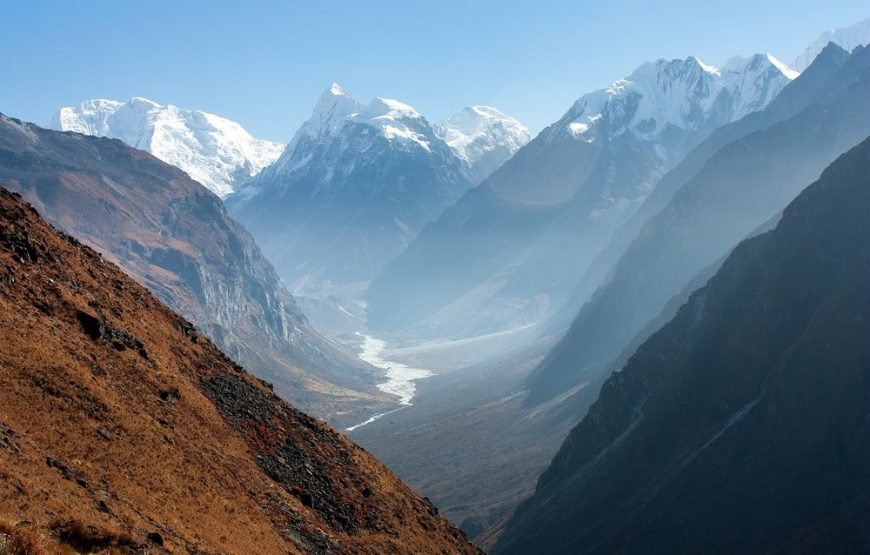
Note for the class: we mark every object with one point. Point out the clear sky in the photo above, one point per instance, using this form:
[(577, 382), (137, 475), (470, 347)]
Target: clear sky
[(264, 63)]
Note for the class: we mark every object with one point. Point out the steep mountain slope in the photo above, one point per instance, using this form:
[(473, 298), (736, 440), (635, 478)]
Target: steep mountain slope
[(122, 427), (483, 138), (500, 252), (739, 427), (817, 83), (174, 236), (354, 186), (213, 150), (844, 37), (743, 185)]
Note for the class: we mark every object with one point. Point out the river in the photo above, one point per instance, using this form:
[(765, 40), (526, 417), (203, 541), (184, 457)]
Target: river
[(400, 377)]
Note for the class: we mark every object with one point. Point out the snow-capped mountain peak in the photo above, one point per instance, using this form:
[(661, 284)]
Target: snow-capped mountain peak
[(335, 110), (335, 90), (483, 137), (332, 107), (354, 186), (685, 94), (217, 152), (846, 37)]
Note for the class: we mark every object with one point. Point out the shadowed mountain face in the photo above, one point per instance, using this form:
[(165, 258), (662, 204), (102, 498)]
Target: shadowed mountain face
[(511, 251), (174, 236), (122, 427), (741, 426), (744, 184)]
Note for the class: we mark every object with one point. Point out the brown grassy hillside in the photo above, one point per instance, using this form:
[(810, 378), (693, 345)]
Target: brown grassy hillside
[(122, 428)]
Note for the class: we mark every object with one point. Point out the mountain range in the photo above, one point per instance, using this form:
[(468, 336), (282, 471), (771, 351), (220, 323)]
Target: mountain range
[(512, 250), (745, 183), (644, 329), (359, 181), (519, 406)]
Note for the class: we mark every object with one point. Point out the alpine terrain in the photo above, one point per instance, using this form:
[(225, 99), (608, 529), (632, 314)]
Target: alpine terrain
[(739, 188), (511, 251), (633, 319), (351, 190), (457, 439)]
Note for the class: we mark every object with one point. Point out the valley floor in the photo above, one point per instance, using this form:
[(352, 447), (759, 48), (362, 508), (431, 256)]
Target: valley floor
[(469, 440)]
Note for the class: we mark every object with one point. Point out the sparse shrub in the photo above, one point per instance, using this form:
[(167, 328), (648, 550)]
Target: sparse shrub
[(19, 541), (88, 538)]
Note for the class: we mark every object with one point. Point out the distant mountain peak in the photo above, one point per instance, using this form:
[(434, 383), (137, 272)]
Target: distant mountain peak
[(681, 93), (332, 106), (217, 152), (483, 137), (846, 37), (334, 95), (355, 184), (336, 90), (335, 109)]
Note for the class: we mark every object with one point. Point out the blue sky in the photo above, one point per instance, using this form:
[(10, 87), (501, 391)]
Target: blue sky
[(264, 63)]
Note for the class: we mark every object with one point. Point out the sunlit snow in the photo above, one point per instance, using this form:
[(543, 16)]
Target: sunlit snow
[(684, 94), (213, 150)]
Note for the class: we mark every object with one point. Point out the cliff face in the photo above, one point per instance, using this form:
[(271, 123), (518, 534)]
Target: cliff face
[(123, 427), (174, 236), (741, 425)]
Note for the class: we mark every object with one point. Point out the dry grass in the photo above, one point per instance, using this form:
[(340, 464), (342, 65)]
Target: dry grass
[(20, 541)]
